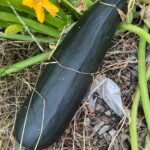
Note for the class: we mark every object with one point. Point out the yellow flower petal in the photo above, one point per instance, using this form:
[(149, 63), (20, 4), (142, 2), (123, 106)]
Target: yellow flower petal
[(28, 3), (50, 7), (39, 12), (39, 6)]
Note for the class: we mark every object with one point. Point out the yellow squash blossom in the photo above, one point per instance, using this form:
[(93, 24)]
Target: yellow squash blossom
[(39, 6)]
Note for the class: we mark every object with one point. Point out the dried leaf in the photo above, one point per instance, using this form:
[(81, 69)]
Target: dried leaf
[(145, 15)]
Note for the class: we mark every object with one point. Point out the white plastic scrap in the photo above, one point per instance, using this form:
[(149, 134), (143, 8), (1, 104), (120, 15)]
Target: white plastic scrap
[(109, 92)]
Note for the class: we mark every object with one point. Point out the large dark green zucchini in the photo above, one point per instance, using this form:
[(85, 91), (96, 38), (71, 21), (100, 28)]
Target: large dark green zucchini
[(62, 89)]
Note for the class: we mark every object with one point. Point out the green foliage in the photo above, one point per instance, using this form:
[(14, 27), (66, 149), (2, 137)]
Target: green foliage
[(13, 29)]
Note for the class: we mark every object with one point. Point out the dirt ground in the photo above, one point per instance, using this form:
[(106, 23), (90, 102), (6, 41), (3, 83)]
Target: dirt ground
[(87, 131)]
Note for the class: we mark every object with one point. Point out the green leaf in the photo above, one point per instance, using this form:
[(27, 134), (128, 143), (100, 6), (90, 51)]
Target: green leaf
[(13, 29), (89, 3)]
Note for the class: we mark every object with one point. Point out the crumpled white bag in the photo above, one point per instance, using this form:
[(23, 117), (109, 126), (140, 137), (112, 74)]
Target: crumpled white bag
[(109, 91)]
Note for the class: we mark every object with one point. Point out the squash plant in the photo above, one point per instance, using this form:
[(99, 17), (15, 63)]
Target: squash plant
[(60, 89)]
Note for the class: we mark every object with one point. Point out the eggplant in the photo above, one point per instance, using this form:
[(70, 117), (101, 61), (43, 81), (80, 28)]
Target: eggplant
[(62, 86)]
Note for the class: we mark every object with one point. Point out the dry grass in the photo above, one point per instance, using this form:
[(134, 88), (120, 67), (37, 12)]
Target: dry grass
[(14, 88), (120, 65)]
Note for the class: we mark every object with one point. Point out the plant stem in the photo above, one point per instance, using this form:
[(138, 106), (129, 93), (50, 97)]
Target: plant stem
[(25, 63), (143, 89), (133, 123), (41, 28), (74, 13), (142, 81), (26, 38), (134, 109), (139, 31)]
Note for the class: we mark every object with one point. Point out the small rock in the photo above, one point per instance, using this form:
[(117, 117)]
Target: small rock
[(106, 119), (98, 126), (107, 137), (112, 133), (143, 125), (108, 113), (131, 59), (103, 129), (113, 119)]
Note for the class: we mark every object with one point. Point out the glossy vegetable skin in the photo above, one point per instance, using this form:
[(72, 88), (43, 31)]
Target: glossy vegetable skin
[(62, 85)]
